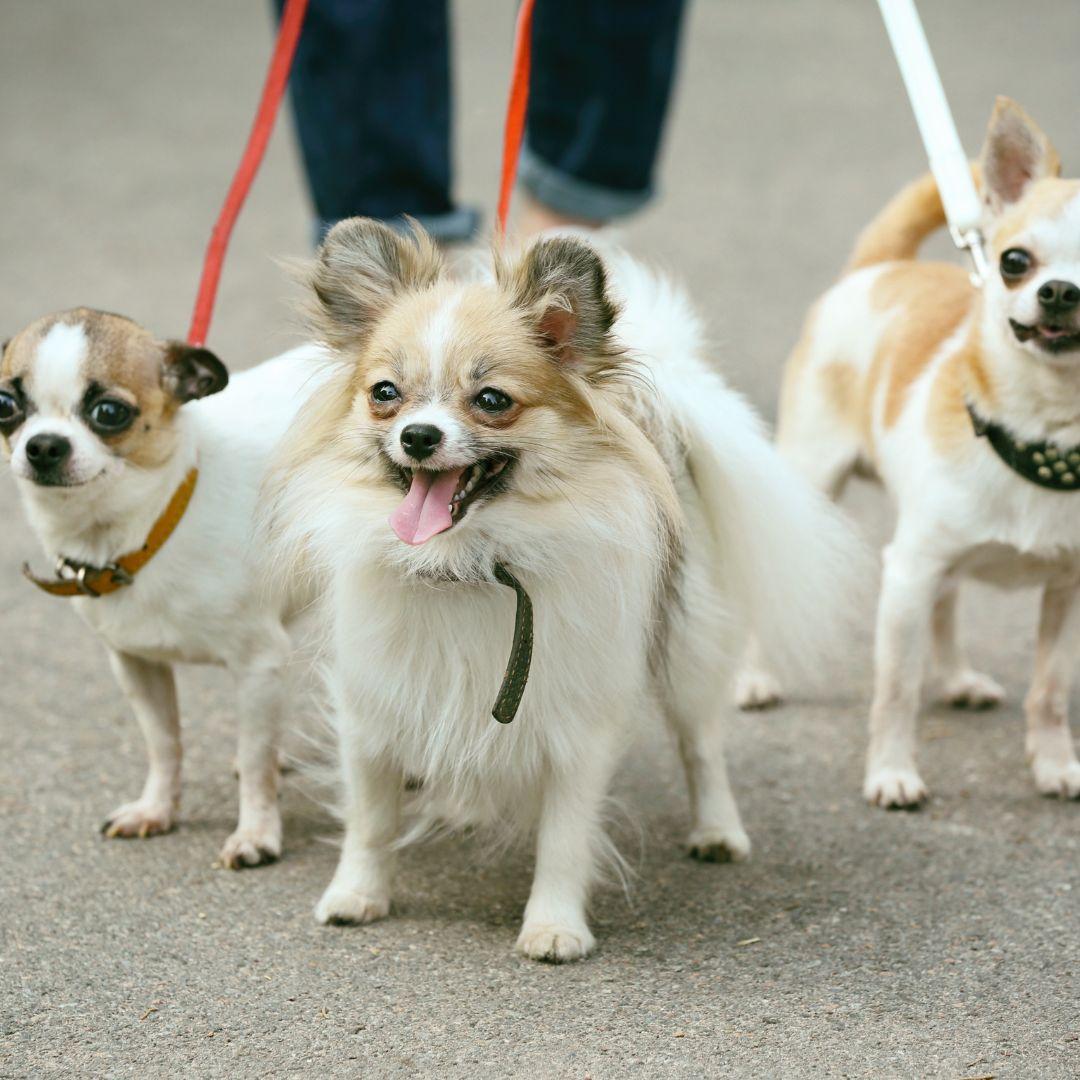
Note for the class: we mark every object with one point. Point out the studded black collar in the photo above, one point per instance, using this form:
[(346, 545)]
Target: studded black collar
[(1040, 463)]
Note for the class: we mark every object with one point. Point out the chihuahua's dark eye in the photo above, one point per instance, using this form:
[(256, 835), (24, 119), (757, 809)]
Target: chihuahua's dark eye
[(384, 392), (10, 411), (110, 415), (1015, 263), (491, 400)]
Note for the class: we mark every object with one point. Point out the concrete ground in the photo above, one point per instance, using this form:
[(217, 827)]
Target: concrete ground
[(855, 943)]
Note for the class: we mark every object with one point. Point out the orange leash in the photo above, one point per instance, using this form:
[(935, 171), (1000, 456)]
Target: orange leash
[(277, 76), (515, 112)]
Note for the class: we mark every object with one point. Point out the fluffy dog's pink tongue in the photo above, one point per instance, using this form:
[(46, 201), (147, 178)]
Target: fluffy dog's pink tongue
[(425, 511)]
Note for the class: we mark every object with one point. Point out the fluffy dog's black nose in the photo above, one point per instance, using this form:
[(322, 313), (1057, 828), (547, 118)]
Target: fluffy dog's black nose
[(1058, 297), (47, 452), (420, 440)]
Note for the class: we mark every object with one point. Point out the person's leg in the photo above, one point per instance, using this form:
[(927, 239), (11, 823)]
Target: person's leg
[(600, 83), (370, 89)]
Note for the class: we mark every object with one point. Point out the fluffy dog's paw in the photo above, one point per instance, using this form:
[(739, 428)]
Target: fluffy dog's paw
[(251, 847), (555, 944), (346, 907), (972, 690), (718, 845), (1057, 778), (895, 789), (139, 818), (757, 690)]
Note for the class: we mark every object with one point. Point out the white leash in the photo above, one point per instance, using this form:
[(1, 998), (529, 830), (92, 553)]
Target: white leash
[(948, 163)]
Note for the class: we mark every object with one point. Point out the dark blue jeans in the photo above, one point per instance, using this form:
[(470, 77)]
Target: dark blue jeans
[(371, 93)]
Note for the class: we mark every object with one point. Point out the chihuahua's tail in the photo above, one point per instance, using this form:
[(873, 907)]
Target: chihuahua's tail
[(899, 230)]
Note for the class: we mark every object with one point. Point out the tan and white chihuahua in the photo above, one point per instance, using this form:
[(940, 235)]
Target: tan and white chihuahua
[(555, 420), (966, 403), (106, 430)]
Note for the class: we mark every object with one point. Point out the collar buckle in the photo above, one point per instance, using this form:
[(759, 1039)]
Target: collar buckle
[(70, 570)]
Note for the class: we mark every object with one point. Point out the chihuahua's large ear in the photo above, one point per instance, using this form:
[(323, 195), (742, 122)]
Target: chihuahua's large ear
[(360, 267), (562, 285), (1017, 152), (189, 372)]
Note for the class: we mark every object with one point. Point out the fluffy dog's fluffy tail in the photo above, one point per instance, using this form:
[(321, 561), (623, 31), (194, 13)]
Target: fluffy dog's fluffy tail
[(789, 565), (899, 230)]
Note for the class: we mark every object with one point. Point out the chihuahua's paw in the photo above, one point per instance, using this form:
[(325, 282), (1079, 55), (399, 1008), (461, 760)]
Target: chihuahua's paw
[(140, 818), (717, 844), (346, 907), (1060, 778), (972, 690), (755, 689), (555, 944), (251, 847), (894, 788)]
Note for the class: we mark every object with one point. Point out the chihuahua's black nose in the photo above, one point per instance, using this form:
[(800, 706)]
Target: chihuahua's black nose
[(420, 440), (1058, 297), (47, 452)]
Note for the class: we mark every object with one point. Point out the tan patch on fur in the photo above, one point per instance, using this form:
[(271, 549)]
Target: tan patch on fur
[(930, 300), (842, 387), (962, 377), (123, 358), (1042, 201)]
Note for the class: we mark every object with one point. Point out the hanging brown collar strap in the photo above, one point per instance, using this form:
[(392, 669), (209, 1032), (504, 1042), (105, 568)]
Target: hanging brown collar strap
[(1040, 463), (80, 579), (517, 667)]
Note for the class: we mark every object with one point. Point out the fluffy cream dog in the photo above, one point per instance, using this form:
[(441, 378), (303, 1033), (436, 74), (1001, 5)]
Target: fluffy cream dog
[(966, 403), (553, 425), (140, 472)]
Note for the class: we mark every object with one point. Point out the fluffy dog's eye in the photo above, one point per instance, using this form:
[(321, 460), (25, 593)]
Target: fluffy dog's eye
[(384, 392), (10, 411), (491, 400), (1015, 263), (110, 415)]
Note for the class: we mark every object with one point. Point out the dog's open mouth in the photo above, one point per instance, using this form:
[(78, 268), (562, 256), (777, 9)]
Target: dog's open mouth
[(436, 501), (1052, 338)]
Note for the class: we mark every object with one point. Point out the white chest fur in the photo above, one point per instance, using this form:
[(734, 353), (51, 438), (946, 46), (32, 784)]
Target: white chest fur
[(421, 664)]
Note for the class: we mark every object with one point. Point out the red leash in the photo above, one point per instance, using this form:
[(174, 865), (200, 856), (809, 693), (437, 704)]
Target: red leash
[(515, 112), (292, 20), (277, 76)]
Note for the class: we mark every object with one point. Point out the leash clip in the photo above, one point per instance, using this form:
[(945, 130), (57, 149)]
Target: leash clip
[(973, 242)]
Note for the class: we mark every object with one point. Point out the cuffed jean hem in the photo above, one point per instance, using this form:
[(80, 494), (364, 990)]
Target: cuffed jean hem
[(576, 198), (461, 223)]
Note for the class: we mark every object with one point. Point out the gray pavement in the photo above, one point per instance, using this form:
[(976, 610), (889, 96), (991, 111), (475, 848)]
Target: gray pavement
[(855, 943)]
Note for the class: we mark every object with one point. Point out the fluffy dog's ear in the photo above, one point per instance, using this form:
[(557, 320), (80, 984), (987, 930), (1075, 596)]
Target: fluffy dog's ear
[(1017, 152), (189, 372), (360, 267), (562, 286)]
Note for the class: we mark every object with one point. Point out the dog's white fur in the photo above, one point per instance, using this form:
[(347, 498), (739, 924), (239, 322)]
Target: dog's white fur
[(961, 511), (201, 598), (417, 657)]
